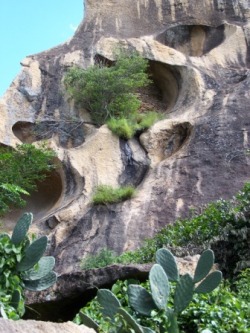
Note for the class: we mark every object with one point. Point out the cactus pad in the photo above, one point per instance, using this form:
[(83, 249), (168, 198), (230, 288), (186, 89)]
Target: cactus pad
[(41, 284), (130, 321), (109, 303), (140, 299), (21, 228), (204, 265), (183, 293), (45, 265), (209, 283), (159, 286), (165, 258), (87, 321), (33, 254)]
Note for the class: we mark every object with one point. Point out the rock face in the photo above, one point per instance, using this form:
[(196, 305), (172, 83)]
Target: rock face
[(27, 326), (199, 59)]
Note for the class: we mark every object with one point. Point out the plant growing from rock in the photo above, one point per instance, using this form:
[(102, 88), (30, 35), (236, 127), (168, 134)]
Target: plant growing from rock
[(20, 169), (127, 127), (105, 194), (108, 92), (103, 258), (22, 266), (149, 304)]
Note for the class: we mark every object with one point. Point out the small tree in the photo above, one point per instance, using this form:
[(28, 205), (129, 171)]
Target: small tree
[(20, 169), (108, 92)]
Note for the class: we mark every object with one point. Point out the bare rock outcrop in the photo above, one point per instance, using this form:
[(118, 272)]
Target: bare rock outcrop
[(28, 326), (199, 59)]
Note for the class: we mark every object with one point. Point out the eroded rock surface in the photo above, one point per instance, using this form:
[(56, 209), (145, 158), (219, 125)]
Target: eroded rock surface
[(28, 326), (199, 58)]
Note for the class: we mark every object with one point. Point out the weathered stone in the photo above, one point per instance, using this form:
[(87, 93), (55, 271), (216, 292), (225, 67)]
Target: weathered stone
[(28, 326), (199, 58)]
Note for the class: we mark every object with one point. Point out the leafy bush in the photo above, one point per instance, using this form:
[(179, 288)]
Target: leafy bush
[(222, 311), (242, 285), (106, 194), (224, 225), (20, 169), (22, 266), (108, 92), (103, 258)]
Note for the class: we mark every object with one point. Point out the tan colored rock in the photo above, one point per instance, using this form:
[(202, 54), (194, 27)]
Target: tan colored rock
[(28, 326)]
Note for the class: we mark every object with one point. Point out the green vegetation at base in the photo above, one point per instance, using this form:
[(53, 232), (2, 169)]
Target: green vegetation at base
[(224, 310), (20, 169), (22, 266), (222, 224), (105, 194), (225, 226), (183, 306)]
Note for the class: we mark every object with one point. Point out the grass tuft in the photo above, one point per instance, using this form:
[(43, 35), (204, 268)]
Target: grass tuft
[(106, 194)]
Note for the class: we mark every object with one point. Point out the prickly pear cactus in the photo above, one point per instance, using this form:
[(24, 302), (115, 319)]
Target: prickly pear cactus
[(33, 254), (20, 231), (165, 258), (22, 266)]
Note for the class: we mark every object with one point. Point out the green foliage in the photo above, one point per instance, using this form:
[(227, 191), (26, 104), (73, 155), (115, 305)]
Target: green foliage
[(22, 266), (108, 92), (242, 285), (126, 128), (122, 127), (185, 287), (157, 300), (146, 120), (221, 311), (20, 169), (103, 258), (223, 225), (106, 194)]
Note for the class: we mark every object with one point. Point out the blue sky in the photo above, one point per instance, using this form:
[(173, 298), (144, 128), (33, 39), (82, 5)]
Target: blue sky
[(31, 26)]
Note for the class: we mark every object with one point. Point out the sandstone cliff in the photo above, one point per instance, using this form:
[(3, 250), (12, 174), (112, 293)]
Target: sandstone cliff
[(199, 58)]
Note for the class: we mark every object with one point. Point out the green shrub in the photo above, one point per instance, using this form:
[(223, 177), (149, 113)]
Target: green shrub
[(22, 265), (126, 128), (222, 311), (122, 127), (20, 169), (224, 225), (106, 194), (103, 258), (108, 92), (146, 120), (242, 285)]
